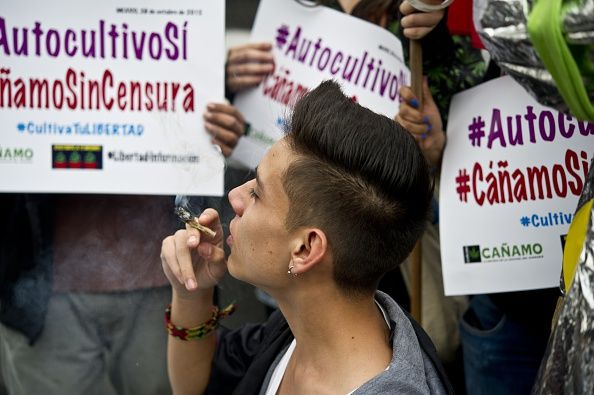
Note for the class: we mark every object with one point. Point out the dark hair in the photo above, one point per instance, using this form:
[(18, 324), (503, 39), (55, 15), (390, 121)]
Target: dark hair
[(360, 177), (373, 11)]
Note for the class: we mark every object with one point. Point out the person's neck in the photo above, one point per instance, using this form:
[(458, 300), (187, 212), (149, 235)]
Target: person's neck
[(334, 334)]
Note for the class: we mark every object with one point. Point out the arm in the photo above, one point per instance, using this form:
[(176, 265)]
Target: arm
[(193, 266)]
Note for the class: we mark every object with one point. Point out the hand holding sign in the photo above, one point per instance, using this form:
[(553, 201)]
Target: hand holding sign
[(248, 65), (426, 125), (416, 24), (225, 124)]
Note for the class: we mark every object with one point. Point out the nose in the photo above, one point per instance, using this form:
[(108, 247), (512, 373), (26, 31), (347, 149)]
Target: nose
[(237, 198)]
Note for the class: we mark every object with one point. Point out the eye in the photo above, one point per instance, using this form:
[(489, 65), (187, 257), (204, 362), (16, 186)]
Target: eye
[(253, 193)]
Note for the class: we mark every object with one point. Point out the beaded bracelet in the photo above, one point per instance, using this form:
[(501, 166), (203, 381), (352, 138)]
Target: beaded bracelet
[(201, 330)]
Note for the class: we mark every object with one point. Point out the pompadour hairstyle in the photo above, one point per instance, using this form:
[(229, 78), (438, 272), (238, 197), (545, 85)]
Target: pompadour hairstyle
[(361, 178)]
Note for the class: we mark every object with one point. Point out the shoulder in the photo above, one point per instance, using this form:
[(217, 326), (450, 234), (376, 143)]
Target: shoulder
[(420, 356)]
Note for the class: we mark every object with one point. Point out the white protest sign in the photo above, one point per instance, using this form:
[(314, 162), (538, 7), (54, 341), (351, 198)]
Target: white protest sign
[(511, 178), (310, 45), (108, 96)]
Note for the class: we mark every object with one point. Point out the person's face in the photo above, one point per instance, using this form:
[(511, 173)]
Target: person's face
[(259, 241)]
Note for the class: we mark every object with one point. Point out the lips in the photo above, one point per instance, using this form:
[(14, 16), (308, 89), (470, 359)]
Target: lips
[(230, 238)]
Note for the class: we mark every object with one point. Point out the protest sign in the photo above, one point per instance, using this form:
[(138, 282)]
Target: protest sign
[(312, 44), (107, 97), (511, 178)]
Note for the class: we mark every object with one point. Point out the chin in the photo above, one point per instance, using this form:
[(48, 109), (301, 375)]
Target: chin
[(232, 267), (235, 269)]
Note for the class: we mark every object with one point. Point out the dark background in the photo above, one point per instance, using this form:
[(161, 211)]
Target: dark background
[(240, 13)]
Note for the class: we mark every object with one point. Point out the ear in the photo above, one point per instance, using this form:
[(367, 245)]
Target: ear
[(310, 247)]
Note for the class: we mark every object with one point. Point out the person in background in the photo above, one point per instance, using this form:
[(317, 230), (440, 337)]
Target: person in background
[(82, 291), (503, 335)]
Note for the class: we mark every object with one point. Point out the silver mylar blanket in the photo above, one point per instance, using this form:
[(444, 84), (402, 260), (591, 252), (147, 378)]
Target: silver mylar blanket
[(568, 364), (501, 25)]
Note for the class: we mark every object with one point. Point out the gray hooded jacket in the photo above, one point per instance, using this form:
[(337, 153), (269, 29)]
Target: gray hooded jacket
[(411, 371), (246, 357)]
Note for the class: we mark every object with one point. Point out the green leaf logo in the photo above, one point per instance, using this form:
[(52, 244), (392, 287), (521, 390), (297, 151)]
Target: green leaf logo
[(472, 254)]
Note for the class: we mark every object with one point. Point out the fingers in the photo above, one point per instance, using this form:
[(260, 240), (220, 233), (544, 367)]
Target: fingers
[(248, 75), (424, 123), (248, 65), (226, 150), (417, 25), (213, 252), (191, 260), (169, 260), (193, 237), (407, 94), (240, 82), (177, 260), (185, 241), (417, 129), (222, 137), (410, 116), (427, 96), (250, 69), (226, 109), (217, 267), (416, 33), (409, 108), (248, 53), (210, 217), (226, 135), (225, 124), (422, 19), (262, 46), (406, 8)]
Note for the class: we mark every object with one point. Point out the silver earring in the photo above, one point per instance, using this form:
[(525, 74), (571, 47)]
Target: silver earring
[(290, 271)]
